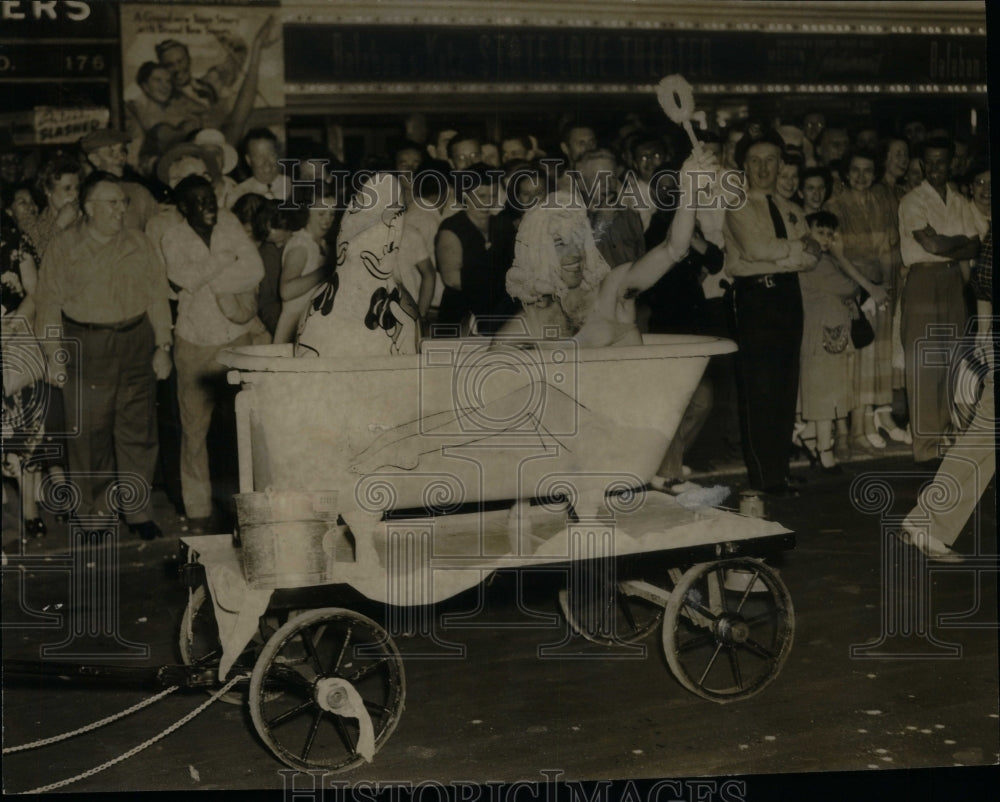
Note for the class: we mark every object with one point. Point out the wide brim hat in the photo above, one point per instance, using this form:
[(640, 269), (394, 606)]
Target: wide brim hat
[(214, 138), (185, 149)]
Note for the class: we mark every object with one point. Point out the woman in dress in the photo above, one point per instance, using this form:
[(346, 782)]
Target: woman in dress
[(268, 225), (787, 185), (60, 181), (894, 158), (827, 355), (301, 260), (25, 394), (866, 224), (23, 207)]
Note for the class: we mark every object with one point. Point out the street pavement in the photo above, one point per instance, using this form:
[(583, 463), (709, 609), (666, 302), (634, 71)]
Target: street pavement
[(884, 680)]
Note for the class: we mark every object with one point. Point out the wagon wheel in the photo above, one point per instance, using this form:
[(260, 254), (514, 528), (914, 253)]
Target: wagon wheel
[(728, 628), (322, 661), (610, 612), (200, 645)]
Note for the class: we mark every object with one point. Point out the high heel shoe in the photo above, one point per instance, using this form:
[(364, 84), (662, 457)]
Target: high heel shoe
[(828, 463), (35, 527)]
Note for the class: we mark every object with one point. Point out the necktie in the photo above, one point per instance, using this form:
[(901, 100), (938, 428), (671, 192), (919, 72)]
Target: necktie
[(779, 225)]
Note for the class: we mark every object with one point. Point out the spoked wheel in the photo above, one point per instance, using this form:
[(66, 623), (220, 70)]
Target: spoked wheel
[(609, 610), (340, 685), (728, 628)]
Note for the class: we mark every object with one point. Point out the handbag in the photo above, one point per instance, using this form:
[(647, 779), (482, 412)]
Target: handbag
[(862, 333)]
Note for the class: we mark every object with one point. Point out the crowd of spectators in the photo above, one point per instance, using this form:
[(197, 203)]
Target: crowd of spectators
[(841, 228)]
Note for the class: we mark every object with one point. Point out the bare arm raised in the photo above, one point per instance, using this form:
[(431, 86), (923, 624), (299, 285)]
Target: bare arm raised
[(656, 262)]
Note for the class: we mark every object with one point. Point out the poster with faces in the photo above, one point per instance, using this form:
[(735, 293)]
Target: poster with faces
[(191, 67)]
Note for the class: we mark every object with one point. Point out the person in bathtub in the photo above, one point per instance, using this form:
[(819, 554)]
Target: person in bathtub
[(567, 290), (563, 282)]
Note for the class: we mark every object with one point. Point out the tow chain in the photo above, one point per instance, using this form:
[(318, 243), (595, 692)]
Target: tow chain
[(134, 750), (89, 727)]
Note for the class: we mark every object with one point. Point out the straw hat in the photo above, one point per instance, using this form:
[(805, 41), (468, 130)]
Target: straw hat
[(214, 138), (208, 155)]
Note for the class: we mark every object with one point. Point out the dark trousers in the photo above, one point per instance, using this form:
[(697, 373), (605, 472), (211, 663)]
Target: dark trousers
[(721, 372), (768, 327), (116, 446)]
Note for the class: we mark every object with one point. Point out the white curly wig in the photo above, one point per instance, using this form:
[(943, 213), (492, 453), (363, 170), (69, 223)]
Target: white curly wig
[(535, 271)]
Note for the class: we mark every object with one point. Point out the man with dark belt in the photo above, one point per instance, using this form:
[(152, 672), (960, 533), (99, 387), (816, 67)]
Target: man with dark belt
[(767, 244), (936, 232), (101, 284)]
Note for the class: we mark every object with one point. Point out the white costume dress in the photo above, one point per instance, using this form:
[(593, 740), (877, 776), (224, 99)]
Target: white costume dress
[(357, 312)]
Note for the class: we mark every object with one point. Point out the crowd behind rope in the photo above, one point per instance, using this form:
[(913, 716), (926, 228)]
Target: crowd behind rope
[(861, 237)]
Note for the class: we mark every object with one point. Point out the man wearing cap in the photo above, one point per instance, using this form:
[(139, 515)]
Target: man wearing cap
[(767, 244), (102, 286), (106, 150), (210, 259)]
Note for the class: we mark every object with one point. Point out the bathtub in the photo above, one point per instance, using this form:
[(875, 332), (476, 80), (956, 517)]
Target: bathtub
[(461, 422)]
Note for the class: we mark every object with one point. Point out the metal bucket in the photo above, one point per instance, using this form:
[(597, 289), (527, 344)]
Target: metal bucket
[(752, 504), (290, 539)]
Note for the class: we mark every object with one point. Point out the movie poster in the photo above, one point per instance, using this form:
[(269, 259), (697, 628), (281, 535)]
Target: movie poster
[(191, 67)]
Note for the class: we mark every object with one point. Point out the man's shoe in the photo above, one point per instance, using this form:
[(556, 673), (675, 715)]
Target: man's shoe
[(147, 530), (932, 548)]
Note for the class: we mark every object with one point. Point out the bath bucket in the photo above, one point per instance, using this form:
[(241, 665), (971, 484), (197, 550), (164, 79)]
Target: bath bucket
[(290, 539)]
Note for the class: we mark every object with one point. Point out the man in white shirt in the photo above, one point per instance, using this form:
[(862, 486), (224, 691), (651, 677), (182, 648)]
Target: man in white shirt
[(936, 233), (261, 151), (216, 269)]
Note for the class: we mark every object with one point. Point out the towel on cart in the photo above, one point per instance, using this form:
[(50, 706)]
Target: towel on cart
[(237, 606)]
